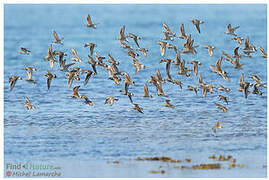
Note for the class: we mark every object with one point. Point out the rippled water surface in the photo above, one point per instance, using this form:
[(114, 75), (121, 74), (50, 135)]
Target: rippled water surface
[(81, 139)]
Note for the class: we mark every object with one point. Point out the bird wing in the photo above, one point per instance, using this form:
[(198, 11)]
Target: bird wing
[(70, 80), (74, 52), (166, 27), (163, 49), (29, 73), (218, 64), (236, 51), (167, 68), (146, 92), (135, 40), (91, 49), (52, 63), (235, 28), (247, 42), (204, 91), (197, 27), (241, 78), (49, 81), (50, 50), (89, 19), (182, 30), (75, 90), (210, 51), (122, 30), (262, 50), (55, 36), (27, 101), (87, 78), (195, 69), (229, 27), (12, 84)]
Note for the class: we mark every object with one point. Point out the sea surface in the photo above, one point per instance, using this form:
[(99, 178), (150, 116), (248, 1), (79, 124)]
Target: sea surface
[(85, 141)]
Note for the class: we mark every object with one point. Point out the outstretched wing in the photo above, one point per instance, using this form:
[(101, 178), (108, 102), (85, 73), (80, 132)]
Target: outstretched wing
[(27, 101), (182, 30), (146, 92), (55, 36), (74, 52), (262, 50), (166, 27), (197, 27), (48, 82), (89, 19), (122, 30), (235, 28)]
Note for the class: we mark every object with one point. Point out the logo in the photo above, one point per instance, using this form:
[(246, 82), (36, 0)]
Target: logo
[(32, 170), (8, 173)]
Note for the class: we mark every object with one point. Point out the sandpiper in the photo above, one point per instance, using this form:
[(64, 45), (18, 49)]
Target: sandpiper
[(56, 39), (257, 80), (127, 81), (159, 77), (50, 54), (112, 60), (177, 82), (210, 49), (238, 39), (139, 109), (89, 73), (29, 74), (144, 51), (218, 125), (197, 23), (231, 30), (93, 63), (138, 65), (167, 104), (87, 101), (75, 93), (195, 66), (221, 107), (63, 66), (191, 88), (162, 47), (13, 80), (222, 88), (183, 70), (171, 46), (223, 98), (135, 38), (182, 32), (248, 46), (75, 56), (168, 64), (91, 45), (167, 30), (90, 23), (256, 90), (110, 100), (146, 91), (71, 75), (28, 104), (122, 36), (24, 51), (49, 76)]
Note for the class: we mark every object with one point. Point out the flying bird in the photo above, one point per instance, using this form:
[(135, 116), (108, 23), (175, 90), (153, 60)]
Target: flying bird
[(197, 23), (90, 23)]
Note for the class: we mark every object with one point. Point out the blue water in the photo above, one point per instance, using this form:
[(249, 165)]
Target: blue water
[(81, 139)]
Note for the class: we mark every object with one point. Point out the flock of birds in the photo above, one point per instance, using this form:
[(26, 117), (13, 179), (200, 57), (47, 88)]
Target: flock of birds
[(73, 73)]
